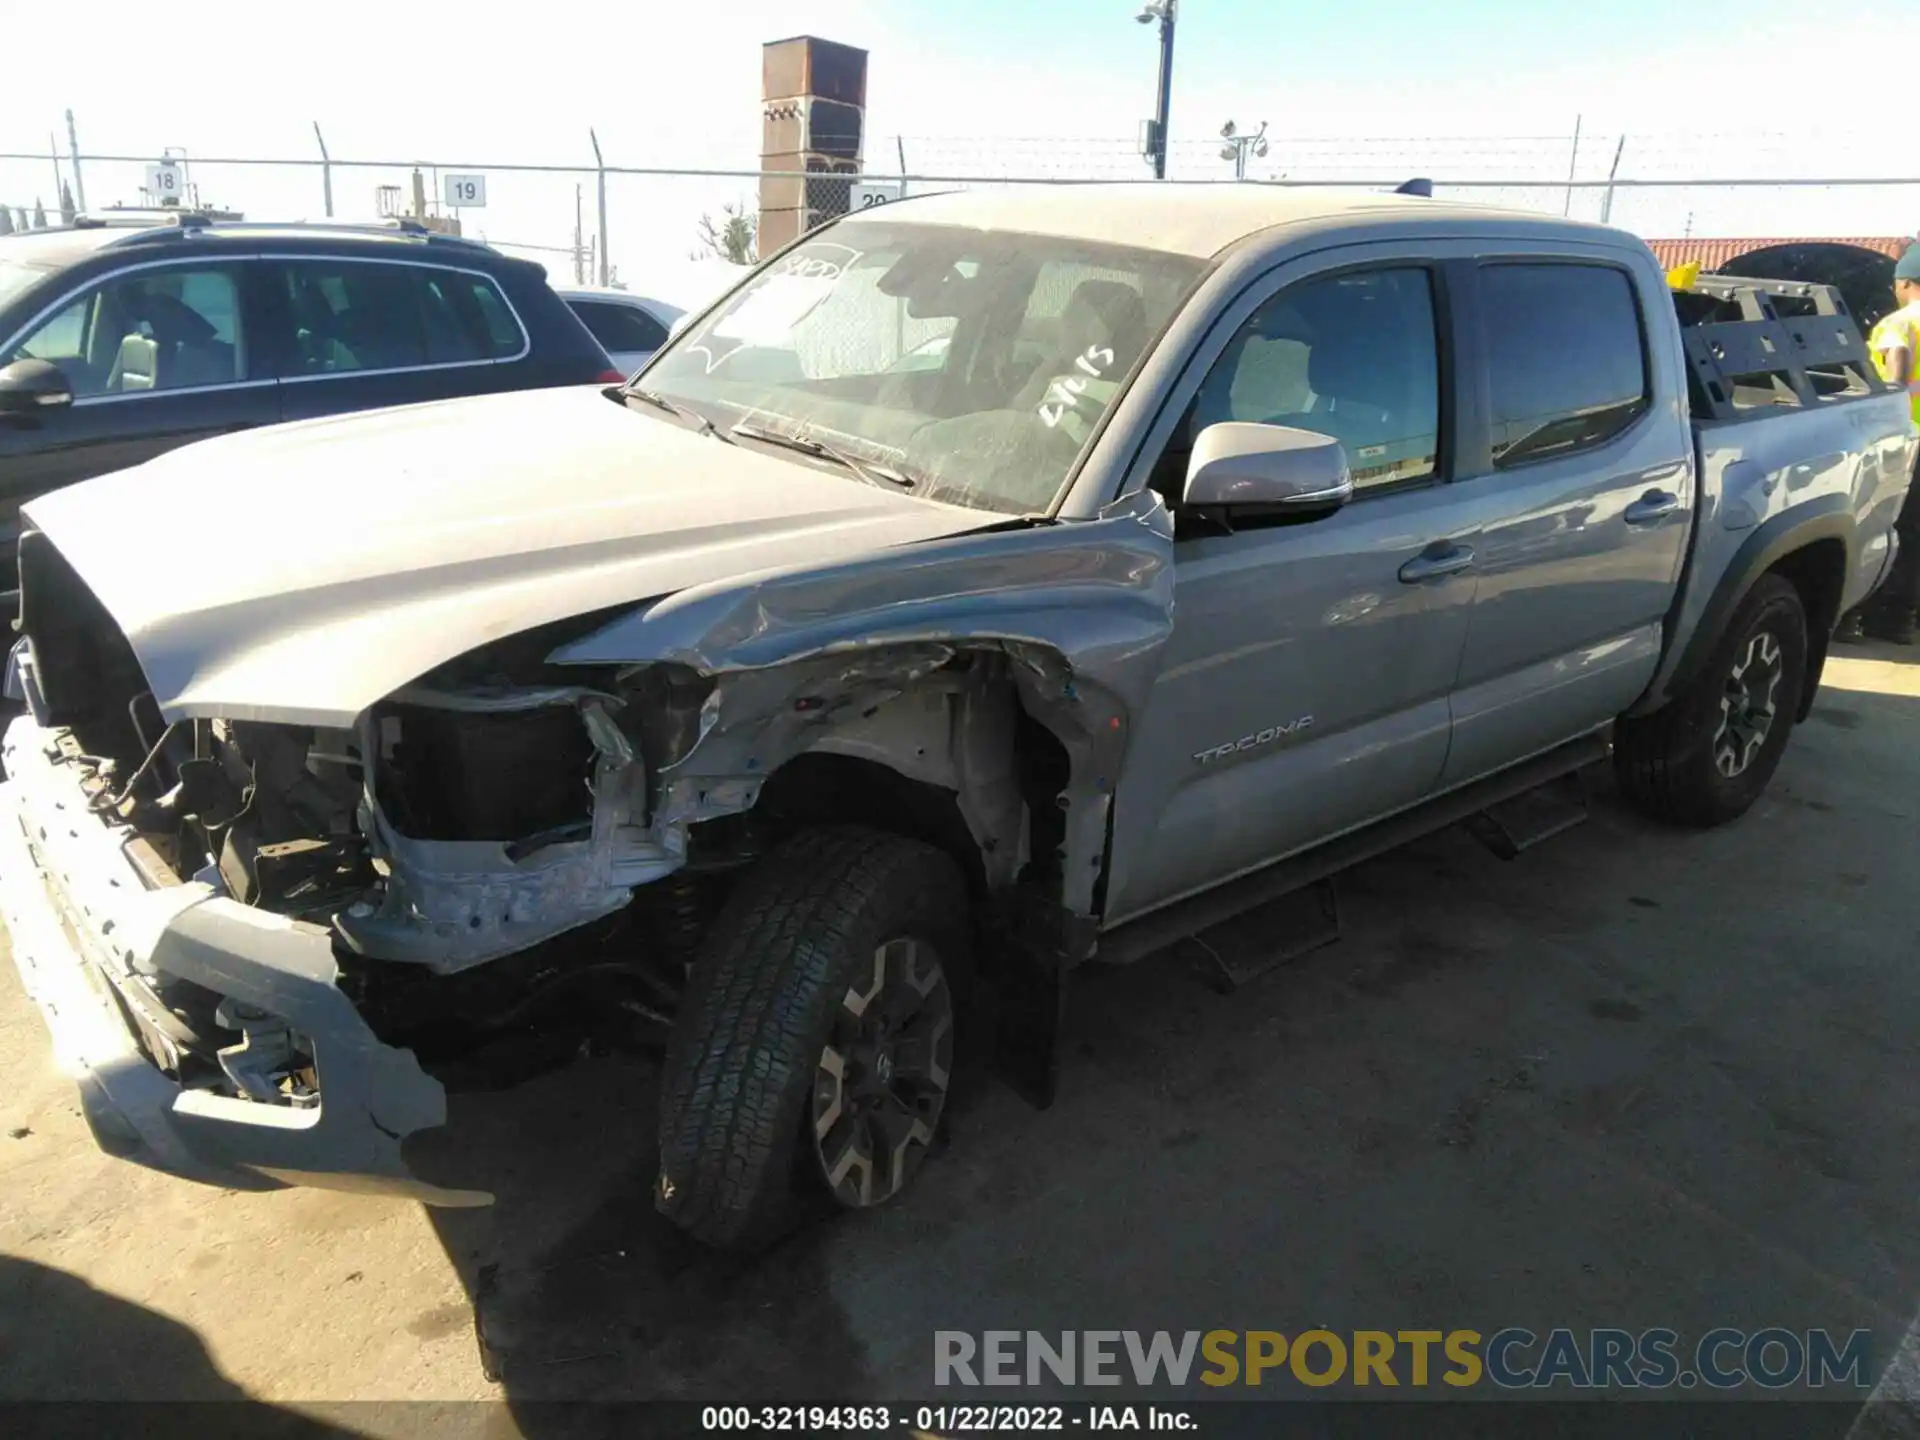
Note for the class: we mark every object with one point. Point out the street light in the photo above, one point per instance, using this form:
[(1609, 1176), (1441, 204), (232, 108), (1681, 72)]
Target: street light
[(1239, 146), (1166, 12)]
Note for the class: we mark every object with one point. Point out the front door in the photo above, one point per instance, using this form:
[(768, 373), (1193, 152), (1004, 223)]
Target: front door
[(1304, 690), (1581, 493), (156, 355)]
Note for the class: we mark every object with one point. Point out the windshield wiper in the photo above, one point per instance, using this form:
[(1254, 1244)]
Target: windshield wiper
[(702, 425), (872, 471)]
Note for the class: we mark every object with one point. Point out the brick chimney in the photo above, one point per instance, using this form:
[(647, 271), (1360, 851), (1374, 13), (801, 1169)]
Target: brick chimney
[(813, 112)]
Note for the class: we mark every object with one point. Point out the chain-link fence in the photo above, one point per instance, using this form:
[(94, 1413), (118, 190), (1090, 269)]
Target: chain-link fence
[(655, 219)]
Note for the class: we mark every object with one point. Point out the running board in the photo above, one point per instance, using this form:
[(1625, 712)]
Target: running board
[(1516, 825), (1158, 929), (1283, 929)]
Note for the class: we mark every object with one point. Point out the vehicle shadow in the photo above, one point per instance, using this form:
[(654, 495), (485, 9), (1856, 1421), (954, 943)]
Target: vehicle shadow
[(72, 1358), (582, 1291)]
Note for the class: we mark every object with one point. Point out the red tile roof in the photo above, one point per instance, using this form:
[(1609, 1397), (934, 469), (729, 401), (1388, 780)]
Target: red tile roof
[(1711, 253)]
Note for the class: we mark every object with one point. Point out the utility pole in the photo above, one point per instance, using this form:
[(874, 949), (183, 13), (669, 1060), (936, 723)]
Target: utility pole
[(73, 149), (1166, 12)]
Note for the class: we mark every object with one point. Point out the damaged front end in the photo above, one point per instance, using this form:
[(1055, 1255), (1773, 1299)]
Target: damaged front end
[(263, 945)]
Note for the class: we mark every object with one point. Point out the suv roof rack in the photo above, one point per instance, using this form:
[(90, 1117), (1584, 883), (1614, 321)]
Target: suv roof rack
[(187, 223), (88, 222)]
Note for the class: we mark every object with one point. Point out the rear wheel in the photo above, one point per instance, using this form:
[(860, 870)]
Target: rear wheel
[(1708, 755), (814, 1051)]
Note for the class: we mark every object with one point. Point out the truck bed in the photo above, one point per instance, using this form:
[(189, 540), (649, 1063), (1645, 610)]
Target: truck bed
[(1790, 422)]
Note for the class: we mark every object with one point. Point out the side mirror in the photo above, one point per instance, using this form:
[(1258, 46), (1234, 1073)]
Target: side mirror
[(1247, 471), (30, 386), (680, 322)]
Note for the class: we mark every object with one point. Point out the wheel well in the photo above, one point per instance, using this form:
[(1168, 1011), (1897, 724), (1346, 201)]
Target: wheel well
[(826, 788), (1819, 572), (820, 788)]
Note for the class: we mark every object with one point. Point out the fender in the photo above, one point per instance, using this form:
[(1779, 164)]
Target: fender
[(1828, 518)]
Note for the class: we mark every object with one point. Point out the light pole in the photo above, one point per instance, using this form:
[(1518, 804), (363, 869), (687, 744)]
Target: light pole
[(1166, 12), (1239, 146)]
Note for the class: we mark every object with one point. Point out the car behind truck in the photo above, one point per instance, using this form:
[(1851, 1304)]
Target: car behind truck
[(986, 586)]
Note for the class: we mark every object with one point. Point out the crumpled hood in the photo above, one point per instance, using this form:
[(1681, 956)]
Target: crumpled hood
[(300, 573)]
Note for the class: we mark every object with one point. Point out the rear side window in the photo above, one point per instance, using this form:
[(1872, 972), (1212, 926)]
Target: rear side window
[(350, 316), (1566, 358), (620, 327), (503, 331)]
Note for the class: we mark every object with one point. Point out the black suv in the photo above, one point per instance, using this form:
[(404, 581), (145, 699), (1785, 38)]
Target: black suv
[(118, 343)]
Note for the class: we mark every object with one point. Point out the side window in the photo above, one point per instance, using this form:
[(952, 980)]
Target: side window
[(1356, 357), (1566, 358), (351, 316), (61, 339), (504, 336), (165, 329), (620, 327)]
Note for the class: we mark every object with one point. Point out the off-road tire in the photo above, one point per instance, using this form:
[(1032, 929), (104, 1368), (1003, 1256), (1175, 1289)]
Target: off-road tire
[(738, 1163), (1666, 761)]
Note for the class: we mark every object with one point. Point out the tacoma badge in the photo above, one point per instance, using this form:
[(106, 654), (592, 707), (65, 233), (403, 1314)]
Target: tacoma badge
[(1255, 741)]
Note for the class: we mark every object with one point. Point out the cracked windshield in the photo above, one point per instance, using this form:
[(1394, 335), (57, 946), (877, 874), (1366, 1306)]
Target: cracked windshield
[(972, 368)]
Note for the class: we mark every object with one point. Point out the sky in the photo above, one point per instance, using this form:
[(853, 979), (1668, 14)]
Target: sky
[(1365, 90)]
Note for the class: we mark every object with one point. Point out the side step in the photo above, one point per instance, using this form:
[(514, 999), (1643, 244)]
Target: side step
[(1199, 913), (1249, 945), (1522, 822)]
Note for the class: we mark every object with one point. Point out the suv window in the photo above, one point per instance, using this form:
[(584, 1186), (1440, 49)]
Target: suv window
[(1565, 355), (353, 316), (620, 327), (1354, 356), (166, 329)]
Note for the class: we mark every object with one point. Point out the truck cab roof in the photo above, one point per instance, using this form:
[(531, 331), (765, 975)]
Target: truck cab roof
[(1204, 219)]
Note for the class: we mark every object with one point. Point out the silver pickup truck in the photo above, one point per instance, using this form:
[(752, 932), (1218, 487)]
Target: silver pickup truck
[(990, 584)]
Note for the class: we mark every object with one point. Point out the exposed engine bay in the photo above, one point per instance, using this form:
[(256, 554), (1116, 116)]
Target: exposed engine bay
[(513, 856)]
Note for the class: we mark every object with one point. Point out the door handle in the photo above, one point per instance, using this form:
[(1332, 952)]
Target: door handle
[(1432, 563), (1654, 505)]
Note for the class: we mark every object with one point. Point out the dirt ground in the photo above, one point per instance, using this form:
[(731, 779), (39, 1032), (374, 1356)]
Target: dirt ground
[(1632, 1078)]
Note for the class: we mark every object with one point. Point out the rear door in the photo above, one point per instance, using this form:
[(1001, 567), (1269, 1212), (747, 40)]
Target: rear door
[(1580, 492), (157, 355), (360, 334)]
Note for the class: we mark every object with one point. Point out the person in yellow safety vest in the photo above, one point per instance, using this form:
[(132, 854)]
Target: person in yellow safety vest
[(1895, 343)]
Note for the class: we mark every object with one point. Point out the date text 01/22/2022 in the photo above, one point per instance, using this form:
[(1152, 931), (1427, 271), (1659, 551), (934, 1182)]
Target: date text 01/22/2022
[(942, 1420)]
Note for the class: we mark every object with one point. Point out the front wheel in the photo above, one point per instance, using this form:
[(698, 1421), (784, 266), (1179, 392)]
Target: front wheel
[(814, 1049), (1707, 756)]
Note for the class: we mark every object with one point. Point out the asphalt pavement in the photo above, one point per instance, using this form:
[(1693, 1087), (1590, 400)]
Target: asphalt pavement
[(1632, 1078)]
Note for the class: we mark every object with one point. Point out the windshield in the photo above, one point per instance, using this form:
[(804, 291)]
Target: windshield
[(974, 365)]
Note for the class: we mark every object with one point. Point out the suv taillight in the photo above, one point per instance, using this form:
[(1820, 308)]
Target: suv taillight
[(611, 377)]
